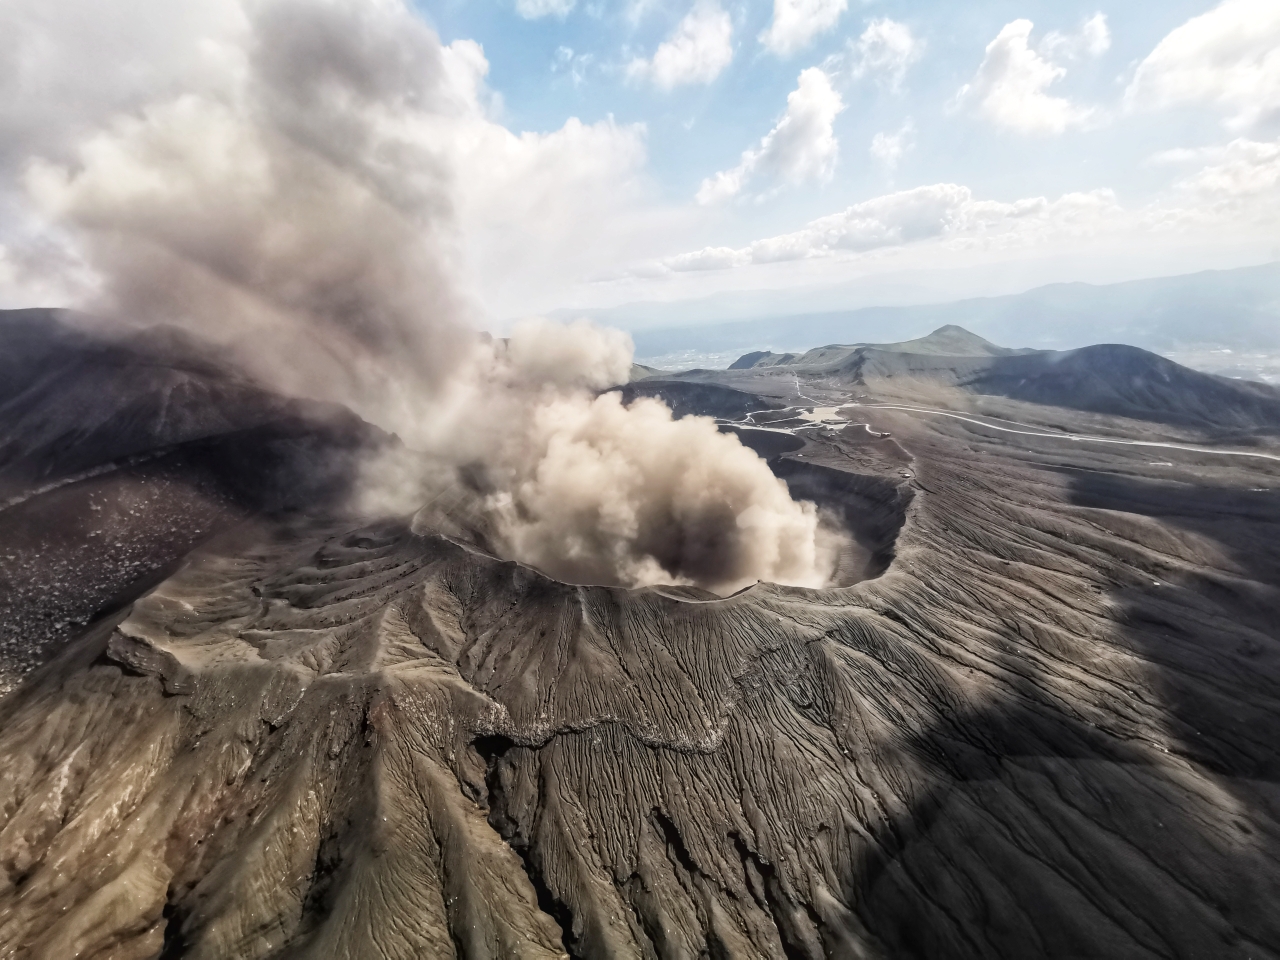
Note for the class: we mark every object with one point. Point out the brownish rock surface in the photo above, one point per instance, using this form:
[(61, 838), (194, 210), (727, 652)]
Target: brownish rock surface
[(1047, 727)]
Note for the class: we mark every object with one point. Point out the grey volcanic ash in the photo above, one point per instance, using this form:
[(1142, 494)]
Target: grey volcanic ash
[(594, 491), (298, 208)]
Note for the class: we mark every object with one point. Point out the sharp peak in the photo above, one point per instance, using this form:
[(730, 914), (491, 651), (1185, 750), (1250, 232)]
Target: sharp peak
[(953, 329)]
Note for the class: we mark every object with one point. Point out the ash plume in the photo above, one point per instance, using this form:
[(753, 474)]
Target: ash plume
[(299, 210)]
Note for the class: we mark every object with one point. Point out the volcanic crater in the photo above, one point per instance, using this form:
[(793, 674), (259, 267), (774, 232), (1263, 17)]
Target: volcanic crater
[(1035, 715)]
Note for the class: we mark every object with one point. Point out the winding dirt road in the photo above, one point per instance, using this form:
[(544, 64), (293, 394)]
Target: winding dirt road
[(1078, 437)]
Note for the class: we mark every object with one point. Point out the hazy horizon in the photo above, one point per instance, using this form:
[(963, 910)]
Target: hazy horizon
[(1222, 322)]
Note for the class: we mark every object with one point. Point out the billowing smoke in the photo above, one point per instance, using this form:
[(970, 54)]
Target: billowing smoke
[(592, 491), (300, 209), (597, 486)]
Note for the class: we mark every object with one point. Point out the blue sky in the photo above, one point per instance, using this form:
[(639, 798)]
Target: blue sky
[(585, 154), (574, 62), (698, 128)]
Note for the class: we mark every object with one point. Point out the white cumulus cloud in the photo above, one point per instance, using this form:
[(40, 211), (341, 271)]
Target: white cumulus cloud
[(802, 146), (700, 47), (942, 212), (1245, 171), (1011, 86), (886, 49), (891, 220), (1235, 193), (1229, 57), (797, 22), (889, 148), (1093, 40), (535, 9)]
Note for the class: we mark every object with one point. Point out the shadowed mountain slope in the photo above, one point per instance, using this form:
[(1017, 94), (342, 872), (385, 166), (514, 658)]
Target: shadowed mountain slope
[(1125, 381), (691, 398), (121, 451), (75, 400)]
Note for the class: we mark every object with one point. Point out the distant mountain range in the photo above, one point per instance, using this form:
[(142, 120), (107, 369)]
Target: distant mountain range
[(1230, 309), (1112, 379)]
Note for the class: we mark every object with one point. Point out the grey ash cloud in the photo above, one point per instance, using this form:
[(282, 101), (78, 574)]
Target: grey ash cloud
[(298, 207)]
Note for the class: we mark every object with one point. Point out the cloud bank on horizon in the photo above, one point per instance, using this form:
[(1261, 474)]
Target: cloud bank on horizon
[(595, 152)]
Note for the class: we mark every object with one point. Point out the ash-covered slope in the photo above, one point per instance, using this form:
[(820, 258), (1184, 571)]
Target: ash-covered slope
[(119, 452), (73, 400), (1046, 728), (690, 398)]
